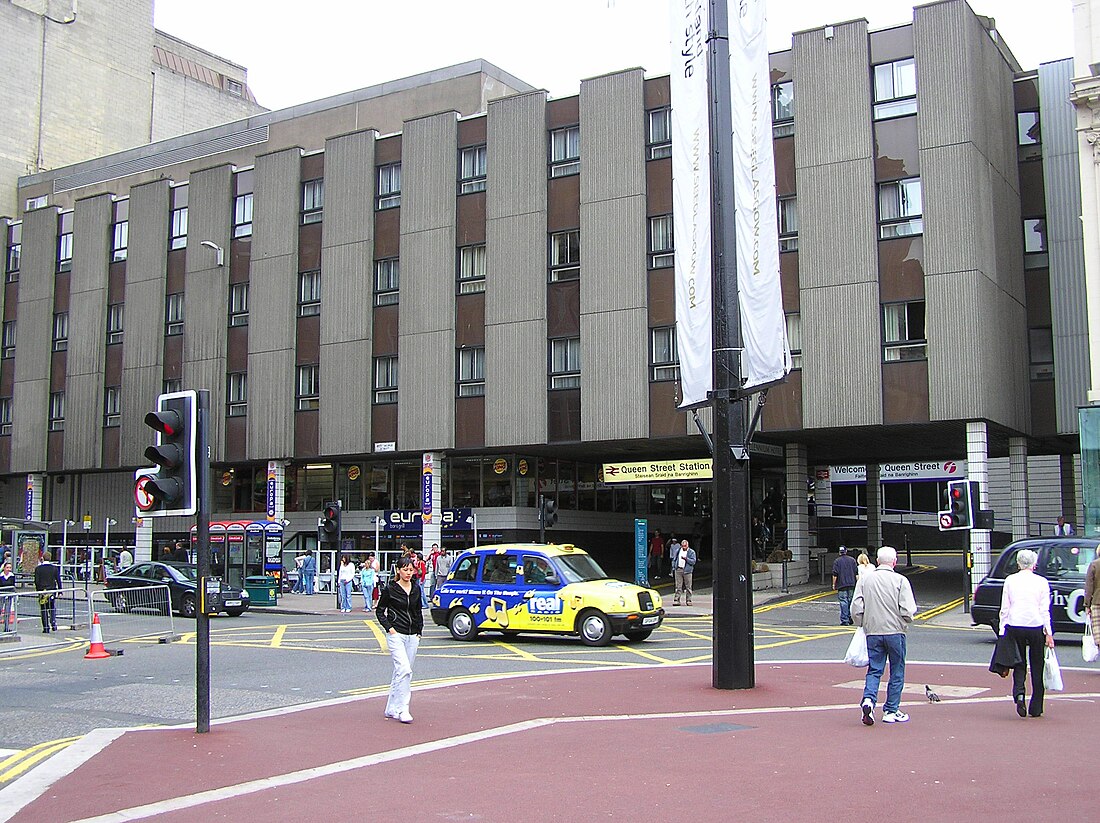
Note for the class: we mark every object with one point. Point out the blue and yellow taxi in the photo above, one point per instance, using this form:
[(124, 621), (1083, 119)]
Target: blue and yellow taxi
[(548, 589)]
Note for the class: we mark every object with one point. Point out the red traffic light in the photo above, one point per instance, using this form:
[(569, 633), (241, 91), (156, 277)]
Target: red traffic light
[(166, 421), (330, 512)]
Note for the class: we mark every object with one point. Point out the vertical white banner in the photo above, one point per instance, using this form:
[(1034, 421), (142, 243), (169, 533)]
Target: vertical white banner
[(767, 355), (691, 200)]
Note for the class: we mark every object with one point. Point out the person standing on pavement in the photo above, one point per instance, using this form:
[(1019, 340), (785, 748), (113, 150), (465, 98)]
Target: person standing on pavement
[(309, 572), (368, 576), (683, 568), (401, 617), (421, 578), (8, 596), (1062, 528), (845, 572), (1092, 596), (1025, 618), (656, 552), (884, 606), (441, 567), (344, 577), (125, 559), (47, 581)]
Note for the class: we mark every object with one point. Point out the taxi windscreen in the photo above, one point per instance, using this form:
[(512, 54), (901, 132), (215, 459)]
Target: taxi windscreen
[(1069, 560), (579, 568)]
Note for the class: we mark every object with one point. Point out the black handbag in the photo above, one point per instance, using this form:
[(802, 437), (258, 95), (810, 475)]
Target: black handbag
[(1006, 656)]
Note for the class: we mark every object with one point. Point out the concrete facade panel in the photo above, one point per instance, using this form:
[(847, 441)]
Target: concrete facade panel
[(613, 118), (271, 383), (425, 408), (515, 382), (614, 375), (429, 173), (516, 163), (832, 253)]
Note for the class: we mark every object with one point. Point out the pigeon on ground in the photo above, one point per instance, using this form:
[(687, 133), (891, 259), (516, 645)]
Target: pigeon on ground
[(931, 695)]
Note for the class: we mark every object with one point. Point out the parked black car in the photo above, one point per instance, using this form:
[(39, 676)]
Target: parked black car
[(182, 582), (1062, 561)]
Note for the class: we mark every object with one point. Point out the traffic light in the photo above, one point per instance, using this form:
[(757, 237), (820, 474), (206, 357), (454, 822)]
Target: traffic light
[(549, 512), (961, 496), (330, 522), (171, 487)]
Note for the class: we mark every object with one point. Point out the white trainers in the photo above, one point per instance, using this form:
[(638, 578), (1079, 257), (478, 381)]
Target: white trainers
[(895, 717), (868, 708), (391, 715), (405, 717)]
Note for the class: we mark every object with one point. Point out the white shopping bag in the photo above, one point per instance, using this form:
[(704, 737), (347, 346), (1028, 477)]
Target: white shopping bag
[(1052, 672), (1088, 646), (857, 650)]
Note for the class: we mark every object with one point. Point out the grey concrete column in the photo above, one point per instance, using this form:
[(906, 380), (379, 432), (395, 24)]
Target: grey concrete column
[(977, 461), (1017, 474), (874, 509), (1069, 489), (798, 518)]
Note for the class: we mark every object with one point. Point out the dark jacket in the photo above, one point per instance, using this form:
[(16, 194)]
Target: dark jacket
[(7, 582), (46, 577), (400, 611), (845, 570)]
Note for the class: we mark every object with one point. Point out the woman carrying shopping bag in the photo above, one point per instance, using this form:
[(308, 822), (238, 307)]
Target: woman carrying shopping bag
[(1025, 618)]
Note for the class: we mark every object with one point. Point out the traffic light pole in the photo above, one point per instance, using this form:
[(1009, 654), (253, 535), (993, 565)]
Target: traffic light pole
[(733, 666), (202, 619)]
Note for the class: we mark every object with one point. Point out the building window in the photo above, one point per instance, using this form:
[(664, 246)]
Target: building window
[(565, 255), (794, 339), (389, 187), (385, 380), (172, 385), (783, 109), (899, 209), (895, 89), (238, 304), (659, 136), (65, 252), (57, 412), (565, 363), (39, 202), (5, 415), (664, 360), (237, 394), (242, 215), (661, 254), (309, 293), (1035, 236), (120, 238), (1028, 132), (112, 407), (471, 165), (14, 252), (565, 151), (114, 323), (7, 346), (177, 235), (61, 331), (903, 326), (787, 213), (471, 371), (313, 201), (387, 281), (173, 314), (471, 269), (1041, 348), (309, 391), (234, 87)]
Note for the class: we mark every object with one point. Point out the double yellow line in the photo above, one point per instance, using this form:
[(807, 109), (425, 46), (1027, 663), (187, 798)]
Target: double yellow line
[(942, 608), (14, 765)]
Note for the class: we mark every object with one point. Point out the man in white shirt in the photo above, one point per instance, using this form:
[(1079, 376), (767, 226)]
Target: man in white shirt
[(1062, 528)]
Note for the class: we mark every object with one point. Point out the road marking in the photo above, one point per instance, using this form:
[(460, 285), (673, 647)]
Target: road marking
[(277, 637), (379, 635), (516, 650), (76, 643), (17, 763), (942, 608), (779, 605), (914, 689), (633, 649)]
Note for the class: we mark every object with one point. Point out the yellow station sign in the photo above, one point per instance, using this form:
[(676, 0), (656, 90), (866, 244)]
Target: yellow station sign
[(658, 471)]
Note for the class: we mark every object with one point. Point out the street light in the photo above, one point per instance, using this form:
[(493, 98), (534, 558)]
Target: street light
[(107, 523), (218, 251)]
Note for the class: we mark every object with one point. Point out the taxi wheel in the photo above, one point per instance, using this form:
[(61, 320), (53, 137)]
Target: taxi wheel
[(461, 625), (638, 636), (594, 628)]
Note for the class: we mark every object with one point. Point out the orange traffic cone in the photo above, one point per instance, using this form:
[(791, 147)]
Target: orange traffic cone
[(96, 650)]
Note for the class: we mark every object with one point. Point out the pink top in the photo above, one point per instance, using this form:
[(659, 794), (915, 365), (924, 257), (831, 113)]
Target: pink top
[(1025, 602)]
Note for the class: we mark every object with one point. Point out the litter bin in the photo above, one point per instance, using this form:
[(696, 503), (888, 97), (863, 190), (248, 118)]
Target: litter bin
[(262, 590)]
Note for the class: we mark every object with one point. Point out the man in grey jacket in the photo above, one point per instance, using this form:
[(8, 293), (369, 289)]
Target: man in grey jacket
[(683, 568), (884, 606)]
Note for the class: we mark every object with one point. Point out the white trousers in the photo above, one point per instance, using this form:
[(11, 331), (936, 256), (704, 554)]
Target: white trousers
[(403, 653)]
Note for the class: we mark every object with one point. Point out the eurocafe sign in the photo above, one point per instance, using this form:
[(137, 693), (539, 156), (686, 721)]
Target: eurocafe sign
[(659, 471)]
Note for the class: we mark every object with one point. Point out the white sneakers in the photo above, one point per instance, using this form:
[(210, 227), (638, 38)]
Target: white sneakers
[(405, 717), (868, 708), (895, 717)]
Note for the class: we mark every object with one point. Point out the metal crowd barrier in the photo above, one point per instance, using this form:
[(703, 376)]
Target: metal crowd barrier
[(141, 611), (124, 614)]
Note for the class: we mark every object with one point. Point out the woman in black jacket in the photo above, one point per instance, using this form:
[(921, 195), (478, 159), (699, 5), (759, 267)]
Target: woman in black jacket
[(7, 597), (399, 613)]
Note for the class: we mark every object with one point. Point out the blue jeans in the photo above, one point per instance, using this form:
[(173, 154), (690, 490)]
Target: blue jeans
[(844, 596), (345, 595), (880, 648)]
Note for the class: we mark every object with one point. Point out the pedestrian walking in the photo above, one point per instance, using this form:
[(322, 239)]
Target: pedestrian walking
[(399, 613), (884, 606), (683, 568), (845, 572), (344, 577), (368, 576), (656, 552), (421, 578), (1025, 618), (47, 582), (7, 597), (1092, 596), (440, 563), (863, 566)]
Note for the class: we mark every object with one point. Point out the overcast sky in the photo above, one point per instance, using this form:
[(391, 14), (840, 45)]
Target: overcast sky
[(296, 52)]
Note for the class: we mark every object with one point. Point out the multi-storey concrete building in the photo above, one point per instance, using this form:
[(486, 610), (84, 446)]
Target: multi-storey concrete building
[(513, 254), (84, 81)]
